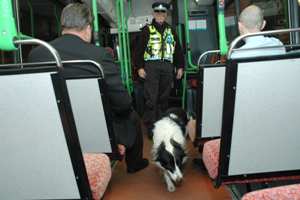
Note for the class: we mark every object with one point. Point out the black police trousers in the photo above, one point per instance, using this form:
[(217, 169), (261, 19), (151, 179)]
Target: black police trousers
[(157, 89)]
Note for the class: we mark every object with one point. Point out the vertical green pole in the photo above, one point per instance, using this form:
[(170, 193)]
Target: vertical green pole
[(222, 28), (96, 22), (120, 41), (187, 36), (130, 84), (124, 43)]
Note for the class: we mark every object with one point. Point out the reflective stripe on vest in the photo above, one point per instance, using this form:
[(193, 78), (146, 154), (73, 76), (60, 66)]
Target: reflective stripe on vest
[(158, 47)]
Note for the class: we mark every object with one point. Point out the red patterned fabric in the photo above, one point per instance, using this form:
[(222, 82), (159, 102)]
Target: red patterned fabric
[(210, 157), (291, 192), (98, 171)]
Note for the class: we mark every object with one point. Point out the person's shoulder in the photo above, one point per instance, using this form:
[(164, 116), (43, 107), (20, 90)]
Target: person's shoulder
[(145, 28), (95, 50), (39, 53), (274, 40)]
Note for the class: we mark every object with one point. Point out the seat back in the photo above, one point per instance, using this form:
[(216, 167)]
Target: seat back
[(260, 131), (211, 95), (41, 156), (91, 116)]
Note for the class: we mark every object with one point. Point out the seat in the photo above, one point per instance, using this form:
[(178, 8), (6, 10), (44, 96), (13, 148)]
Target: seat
[(99, 173), (291, 192), (210, 157)]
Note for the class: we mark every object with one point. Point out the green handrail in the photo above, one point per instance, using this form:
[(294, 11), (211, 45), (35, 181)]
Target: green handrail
[(129, 80), (8, 31), (95, 22), (123, 39), (121, 59), (129, 77), (187, 36), (222, 29)]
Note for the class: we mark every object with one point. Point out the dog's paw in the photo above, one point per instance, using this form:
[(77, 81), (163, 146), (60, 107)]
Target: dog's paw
[(171, 188)]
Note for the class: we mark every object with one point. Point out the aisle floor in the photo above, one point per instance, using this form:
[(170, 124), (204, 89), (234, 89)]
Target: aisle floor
[(149, 184)]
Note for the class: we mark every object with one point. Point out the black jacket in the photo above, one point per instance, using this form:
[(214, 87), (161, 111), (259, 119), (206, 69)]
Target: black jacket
[(71, 47), (143, 41)]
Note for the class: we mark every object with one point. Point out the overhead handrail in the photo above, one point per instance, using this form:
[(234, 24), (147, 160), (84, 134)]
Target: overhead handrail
[(205, 54), (44, 44), (240, 38)]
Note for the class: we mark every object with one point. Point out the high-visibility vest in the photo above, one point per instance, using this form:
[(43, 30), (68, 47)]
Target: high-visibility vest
[(160, 47)]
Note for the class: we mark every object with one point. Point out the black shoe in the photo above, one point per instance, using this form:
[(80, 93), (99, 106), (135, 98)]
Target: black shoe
[(139, 166)]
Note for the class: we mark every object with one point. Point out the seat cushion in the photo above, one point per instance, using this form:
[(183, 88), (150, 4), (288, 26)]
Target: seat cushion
[(98, 171), (210, 157), (291, 192)]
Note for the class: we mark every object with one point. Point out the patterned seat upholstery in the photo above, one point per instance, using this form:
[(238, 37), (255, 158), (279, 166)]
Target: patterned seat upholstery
[(210, 157), (291, 192), (98, 171)]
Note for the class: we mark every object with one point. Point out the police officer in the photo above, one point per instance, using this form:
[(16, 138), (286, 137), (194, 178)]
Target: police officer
[(158, 53)]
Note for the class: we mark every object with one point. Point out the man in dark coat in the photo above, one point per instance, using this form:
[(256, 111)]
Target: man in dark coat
[(158, 55), (75, 44)]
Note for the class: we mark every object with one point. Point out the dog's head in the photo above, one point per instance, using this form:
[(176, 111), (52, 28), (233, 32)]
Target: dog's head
[(171, 158)]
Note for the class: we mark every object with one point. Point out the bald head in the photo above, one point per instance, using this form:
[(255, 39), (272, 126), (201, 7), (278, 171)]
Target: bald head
[(251, 19)]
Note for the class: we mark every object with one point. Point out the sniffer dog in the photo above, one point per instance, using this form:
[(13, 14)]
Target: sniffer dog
[(169, 141)]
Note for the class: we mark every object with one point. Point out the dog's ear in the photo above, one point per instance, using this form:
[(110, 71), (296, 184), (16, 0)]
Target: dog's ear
[(175, 144), (179, 153), (165, 159)]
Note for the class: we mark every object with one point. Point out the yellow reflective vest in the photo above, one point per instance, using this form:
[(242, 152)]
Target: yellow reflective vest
[(160, 47)]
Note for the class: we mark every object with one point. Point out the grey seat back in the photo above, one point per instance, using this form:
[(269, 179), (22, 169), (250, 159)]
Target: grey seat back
[(94, 129), (260, 132), (38, 159), (211, 94)]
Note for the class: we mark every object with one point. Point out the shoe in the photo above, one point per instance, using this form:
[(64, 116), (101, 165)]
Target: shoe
[(139, 166)]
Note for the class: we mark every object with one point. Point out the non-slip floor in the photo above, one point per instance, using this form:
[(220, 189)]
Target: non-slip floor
[(148, 184)]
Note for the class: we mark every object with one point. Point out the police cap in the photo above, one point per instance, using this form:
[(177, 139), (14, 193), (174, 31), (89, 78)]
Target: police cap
[(160, 6)]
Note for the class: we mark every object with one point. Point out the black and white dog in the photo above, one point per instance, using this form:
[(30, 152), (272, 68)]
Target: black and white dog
[(169, 138)]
